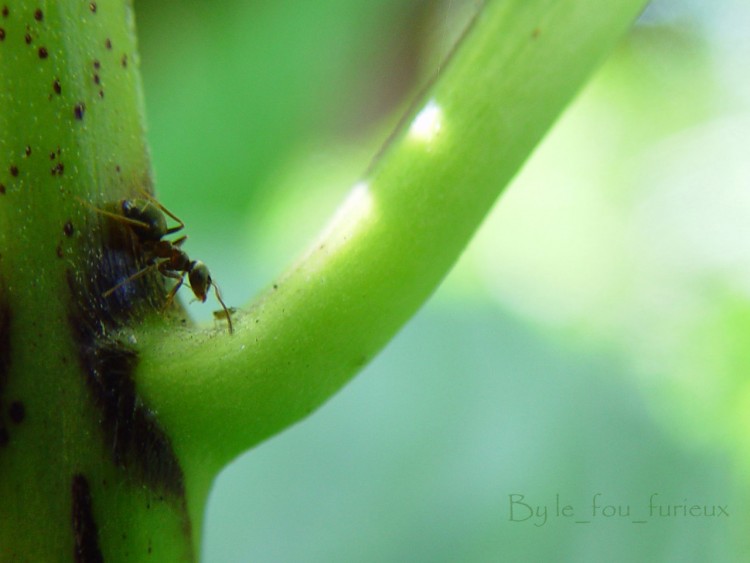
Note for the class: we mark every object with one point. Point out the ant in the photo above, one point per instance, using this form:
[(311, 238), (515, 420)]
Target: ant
[(145, 217)]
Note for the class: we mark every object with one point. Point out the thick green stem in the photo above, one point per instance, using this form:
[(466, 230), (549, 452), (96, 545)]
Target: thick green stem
[(73, 483)]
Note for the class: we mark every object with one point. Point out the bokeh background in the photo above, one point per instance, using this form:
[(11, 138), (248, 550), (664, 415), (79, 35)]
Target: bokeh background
[(590, 346)]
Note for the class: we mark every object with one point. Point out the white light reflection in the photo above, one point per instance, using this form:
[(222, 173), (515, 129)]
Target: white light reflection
[(348, 217), (427, 123)]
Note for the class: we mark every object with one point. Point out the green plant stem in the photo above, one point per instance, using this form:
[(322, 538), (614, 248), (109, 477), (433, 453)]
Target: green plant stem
[(71, 130), (129, 415), (393, 240)]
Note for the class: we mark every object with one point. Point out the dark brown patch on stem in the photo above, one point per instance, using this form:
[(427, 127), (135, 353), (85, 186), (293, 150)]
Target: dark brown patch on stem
[(129, 428), (131, 431), (85, 531)]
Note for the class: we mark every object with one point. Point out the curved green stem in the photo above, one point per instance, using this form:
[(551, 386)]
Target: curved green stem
[(392, 241)]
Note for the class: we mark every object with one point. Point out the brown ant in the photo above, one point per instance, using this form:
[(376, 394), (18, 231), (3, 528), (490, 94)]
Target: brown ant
[(145, 217)]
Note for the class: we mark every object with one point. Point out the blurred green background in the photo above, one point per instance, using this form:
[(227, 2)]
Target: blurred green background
[(591, 341)]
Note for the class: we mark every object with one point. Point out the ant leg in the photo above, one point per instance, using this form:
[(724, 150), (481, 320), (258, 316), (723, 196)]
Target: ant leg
[(134, 277), (156, 202), (223, 306), (177, 286), (178, 242)]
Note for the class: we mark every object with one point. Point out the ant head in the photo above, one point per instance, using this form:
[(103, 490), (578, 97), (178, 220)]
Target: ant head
[(141, 210), (200, 279)]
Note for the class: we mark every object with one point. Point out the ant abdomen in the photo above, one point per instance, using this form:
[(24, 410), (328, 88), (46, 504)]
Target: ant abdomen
[(149, 223)]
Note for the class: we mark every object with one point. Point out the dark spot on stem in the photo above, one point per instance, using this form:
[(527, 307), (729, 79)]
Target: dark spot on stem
[(101, 93), (97, 64), (38, 15), (57, 87), (58, 169), (5, 11), (27, 38), (2, 189), (4, 342), (27, 150), (124, 61), (85, 532), (92, 7), (16, 412), (360, 362), (13, 170), (5, 351), (43, 54), (108, 44), (79, 110), (97, 80), (68, 229), (2, 34), (59, 251)]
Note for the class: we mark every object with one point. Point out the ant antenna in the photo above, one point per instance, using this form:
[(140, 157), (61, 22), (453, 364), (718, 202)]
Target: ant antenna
[(223, 306)]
